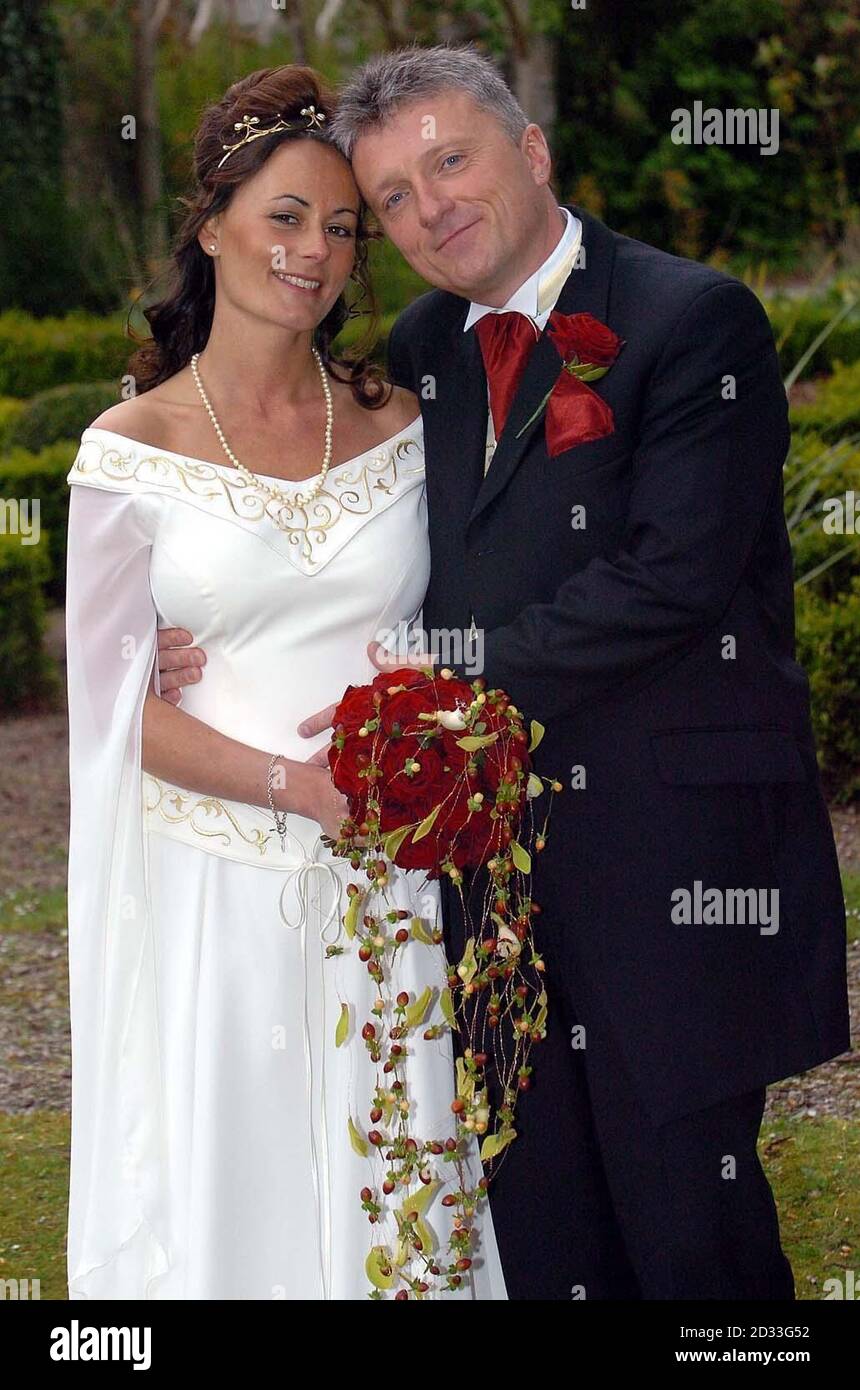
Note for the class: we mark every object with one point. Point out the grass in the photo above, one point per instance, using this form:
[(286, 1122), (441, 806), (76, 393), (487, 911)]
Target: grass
[(814, 1169), (34, 1159), (34, 912), (851, 889)]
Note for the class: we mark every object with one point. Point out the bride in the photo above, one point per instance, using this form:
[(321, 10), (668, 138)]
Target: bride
[(272, 501)]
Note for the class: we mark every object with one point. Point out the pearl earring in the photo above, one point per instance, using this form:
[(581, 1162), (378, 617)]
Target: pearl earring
[(211, 246)]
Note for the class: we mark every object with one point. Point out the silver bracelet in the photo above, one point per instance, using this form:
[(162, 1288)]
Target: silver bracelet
[(280, 817)]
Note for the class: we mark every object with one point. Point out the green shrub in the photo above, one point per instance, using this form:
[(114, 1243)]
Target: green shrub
[(28, 677), (355, 328), (815, 472), (796, 323), (43, 475), (36, 354), (10, 408), (395, 283), (836, 408), (63, 412), (828, 647)]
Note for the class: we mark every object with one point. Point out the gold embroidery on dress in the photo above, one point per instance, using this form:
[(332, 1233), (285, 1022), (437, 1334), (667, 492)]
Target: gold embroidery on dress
[(177, 807), (351, 487), (356, 486)]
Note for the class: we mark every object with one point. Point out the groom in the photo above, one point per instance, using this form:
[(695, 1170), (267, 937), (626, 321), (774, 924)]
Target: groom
[(618, 561)]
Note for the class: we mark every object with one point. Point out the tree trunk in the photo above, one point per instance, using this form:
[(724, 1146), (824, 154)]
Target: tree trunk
[(148, 144), (533, 67)]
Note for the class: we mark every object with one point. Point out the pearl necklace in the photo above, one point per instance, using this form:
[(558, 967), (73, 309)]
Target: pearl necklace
[(274, 493)]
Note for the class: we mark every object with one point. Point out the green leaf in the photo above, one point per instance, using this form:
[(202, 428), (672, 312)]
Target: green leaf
[(394, 839), (425, 1235), (521, 857), (585, 371), (494, 1143), (427, 824), (379, 1267), (350, 918), (472, 741), (342, 1026), (415, 1013), (420, 1200), (534, 786), (468, 965), (447, 1006), (537, 732), (540, 1017), (357, 1140), (465, 1081), (420, 932)]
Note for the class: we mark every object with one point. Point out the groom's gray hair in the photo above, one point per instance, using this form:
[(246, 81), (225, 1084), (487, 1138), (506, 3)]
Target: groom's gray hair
[(401, 77)]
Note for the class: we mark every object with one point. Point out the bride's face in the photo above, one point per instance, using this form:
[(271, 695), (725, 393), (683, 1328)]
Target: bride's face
[(286, 240)]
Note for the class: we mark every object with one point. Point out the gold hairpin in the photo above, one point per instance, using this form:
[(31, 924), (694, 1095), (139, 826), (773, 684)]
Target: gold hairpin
[(315, 119), (246, 125)]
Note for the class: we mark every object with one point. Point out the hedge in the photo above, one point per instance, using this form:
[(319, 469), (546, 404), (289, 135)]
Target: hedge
[(802, 320), (36, 354), (828, 647), (816, 473), (61, 413), (43, 475), (29, 680), (835, 411)]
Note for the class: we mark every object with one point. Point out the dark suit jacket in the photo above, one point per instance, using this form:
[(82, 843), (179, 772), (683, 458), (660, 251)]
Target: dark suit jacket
[(698, 753)]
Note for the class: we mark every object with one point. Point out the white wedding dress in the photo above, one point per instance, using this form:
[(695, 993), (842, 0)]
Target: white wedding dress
[(210, 1154)]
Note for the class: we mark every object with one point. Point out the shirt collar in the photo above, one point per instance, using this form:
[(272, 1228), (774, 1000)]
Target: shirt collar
[(538, 295)]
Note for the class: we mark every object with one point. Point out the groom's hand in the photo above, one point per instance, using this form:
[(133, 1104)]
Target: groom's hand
[(314, 725), (385, 660), (178, 662)]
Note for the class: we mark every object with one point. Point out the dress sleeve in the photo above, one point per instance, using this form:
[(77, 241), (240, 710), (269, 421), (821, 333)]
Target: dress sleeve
[(116, 1209)]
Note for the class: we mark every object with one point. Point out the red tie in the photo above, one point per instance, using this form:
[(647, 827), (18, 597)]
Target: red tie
[(506, 340)]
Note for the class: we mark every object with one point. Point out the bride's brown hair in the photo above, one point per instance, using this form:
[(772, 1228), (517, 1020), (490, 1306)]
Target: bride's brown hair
[(181, 322)]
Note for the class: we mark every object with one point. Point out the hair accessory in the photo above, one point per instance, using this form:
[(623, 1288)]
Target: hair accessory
[(246, 125)]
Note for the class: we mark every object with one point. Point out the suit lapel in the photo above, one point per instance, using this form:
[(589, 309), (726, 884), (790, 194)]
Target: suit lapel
[(459, 418), (586, 291)]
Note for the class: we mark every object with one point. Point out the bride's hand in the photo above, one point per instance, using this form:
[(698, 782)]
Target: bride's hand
[(321, 801)]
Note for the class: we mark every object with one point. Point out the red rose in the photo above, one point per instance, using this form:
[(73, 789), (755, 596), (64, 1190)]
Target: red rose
[(403, 709), (404, 675), (355, 707), (409, 787), (347, 763), (426, 853), (584, 337)]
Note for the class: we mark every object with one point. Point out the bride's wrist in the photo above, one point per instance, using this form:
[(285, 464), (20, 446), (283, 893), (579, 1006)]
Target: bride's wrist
[(288, 785)]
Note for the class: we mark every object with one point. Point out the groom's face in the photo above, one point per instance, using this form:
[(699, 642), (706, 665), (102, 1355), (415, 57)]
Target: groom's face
[(458, 197)]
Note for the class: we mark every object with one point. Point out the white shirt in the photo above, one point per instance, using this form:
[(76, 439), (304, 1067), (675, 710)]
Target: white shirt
[(536, 297)]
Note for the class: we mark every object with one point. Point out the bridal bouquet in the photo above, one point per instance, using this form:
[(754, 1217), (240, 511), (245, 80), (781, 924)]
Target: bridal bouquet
[(438, 777)]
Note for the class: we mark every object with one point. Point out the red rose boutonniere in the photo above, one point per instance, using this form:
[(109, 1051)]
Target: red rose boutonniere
[(574, 413)]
